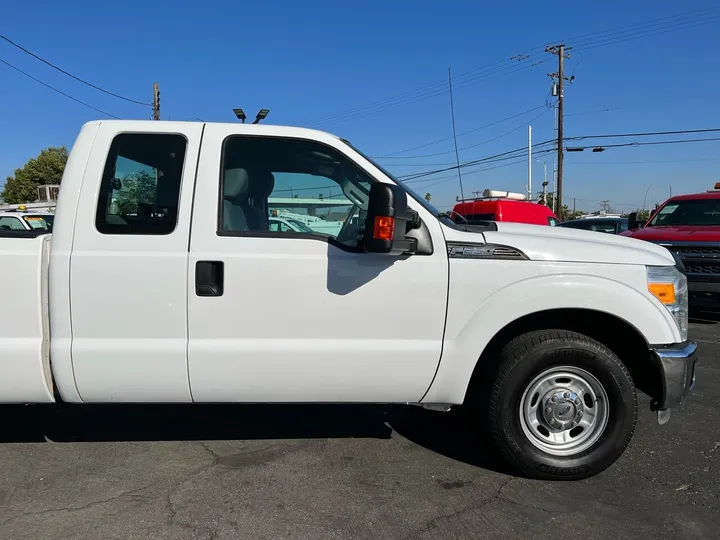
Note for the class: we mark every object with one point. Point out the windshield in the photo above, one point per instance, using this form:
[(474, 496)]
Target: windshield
[(696, 212), (421, 200)]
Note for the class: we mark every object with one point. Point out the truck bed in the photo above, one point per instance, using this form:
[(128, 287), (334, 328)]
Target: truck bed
[(25, 374)]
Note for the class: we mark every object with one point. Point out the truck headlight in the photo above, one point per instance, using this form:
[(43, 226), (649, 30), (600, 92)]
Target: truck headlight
[(669, 285)]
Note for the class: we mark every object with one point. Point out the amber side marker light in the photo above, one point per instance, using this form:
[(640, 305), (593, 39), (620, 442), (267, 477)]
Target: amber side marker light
[(384, 228), (665, 292)]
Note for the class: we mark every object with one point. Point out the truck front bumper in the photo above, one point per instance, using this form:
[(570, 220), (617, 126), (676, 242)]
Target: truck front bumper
[(677, 369)]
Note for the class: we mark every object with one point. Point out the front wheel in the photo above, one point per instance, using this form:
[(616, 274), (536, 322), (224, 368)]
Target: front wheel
[(562, 406)]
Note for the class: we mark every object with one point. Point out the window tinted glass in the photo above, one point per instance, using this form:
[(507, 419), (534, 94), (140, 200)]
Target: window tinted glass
[(690, 212), (11, 224), (577, 225), (552, 222), (472, 219), (140, 188), (312, 189), (39, 222)]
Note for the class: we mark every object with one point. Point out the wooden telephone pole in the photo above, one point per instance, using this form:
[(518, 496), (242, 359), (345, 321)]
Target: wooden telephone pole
[(558, 79), (156, 101)]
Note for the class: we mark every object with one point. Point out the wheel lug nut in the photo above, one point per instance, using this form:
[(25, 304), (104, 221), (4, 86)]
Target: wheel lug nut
[(548, 410), (579, 414), (554, 398), (566, 395)]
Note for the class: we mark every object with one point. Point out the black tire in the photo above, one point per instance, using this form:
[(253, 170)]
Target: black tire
[(523, 359)]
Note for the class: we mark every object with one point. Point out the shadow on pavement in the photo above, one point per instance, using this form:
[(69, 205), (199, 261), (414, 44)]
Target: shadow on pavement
[(704, 317), (443, 433)]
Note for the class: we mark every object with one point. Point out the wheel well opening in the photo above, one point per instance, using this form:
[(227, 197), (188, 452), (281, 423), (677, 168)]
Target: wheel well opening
[(616, 334)]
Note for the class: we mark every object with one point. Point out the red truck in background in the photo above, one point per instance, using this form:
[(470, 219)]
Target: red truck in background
[(503, 206), (689, 226)]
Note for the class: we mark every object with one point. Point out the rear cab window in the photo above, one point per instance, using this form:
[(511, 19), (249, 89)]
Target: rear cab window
[(140, 187)]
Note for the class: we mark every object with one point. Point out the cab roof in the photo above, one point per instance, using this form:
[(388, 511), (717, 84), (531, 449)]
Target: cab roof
[(714, 194)]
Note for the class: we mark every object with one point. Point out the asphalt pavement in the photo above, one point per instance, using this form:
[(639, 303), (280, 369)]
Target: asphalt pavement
[(321, 472)]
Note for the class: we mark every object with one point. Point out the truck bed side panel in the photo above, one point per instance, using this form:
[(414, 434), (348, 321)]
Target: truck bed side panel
[(24, 329)]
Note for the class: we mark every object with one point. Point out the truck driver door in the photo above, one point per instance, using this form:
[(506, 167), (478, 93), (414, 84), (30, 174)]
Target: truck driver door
[(297, 314)]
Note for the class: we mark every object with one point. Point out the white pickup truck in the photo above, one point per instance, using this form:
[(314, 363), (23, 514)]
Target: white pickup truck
[(162, 282)]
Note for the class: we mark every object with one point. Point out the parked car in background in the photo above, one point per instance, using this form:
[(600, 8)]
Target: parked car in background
[(612, 225), (278, 224), (689, 226), (24, 220), (503, 206)]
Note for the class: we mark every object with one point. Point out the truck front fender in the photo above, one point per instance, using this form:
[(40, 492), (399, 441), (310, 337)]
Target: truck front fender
[(471, 328)]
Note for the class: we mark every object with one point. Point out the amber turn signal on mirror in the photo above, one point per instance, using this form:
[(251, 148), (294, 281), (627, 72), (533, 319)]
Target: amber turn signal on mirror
[(384, 228)]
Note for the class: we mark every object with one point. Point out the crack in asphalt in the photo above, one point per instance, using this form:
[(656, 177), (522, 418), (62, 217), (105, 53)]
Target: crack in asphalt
[(432, 524), (170, 506), (131, 492)]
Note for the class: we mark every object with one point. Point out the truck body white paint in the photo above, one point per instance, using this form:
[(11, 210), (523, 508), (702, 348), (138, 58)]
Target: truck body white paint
[(125, 323)]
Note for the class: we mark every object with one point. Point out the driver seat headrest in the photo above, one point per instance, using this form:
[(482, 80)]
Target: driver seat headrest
[(262, 185), (236, 183)]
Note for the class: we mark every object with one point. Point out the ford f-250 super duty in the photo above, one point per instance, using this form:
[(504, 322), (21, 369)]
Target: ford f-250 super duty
[(163, 282)]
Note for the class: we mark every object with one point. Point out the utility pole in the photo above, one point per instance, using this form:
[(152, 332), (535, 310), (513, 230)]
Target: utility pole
[(561, 53), (573, 206), (605, 206), (156, 101)]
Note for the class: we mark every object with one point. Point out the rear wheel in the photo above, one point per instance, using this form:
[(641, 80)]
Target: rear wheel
[(561, 406)]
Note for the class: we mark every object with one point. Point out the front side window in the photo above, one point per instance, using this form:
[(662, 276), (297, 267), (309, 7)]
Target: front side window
[(11, 223), (553, 222), (140, 188), (291, 187)]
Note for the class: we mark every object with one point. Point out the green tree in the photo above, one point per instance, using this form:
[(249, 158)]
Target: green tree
[(136, 189), (565, 214), (47, 168)]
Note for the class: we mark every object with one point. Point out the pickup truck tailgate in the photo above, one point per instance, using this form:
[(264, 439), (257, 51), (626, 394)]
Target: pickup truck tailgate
[(25, 375)]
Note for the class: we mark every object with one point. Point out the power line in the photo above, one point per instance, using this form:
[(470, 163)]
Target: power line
[(645, 134), (421, 156), (644, 162), (497, 157), (501, 72), (650, 143), (516, 153), (514, 160), (647, 32), (11, 42), (58, 91), (390, 156), (530, 58)]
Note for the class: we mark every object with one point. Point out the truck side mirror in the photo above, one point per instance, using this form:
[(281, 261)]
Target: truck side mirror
[(633, 222), (388, 220)]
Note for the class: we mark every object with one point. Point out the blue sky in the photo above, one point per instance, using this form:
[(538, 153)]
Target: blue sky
[(309, 60)]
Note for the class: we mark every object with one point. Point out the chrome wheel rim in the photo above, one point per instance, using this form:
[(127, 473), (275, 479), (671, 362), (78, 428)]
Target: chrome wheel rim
[(564, 410)]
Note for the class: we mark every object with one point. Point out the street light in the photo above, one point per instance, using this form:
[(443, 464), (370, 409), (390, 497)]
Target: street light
[(261, 115), (645, 198), (240, 115)]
